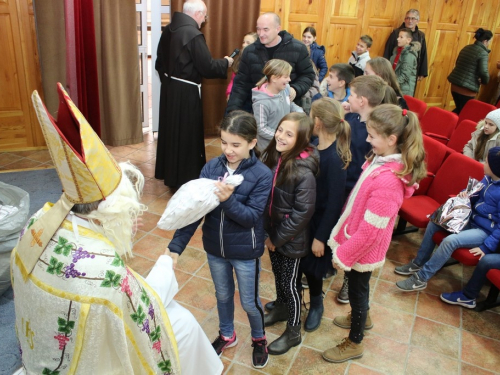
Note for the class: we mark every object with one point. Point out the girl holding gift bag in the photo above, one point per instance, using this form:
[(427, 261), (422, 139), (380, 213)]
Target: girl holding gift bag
[(233, 233), (481, 234), (291, 206), (361, 237)]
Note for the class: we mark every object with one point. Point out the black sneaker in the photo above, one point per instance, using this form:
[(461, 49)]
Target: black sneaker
[(260, 355), (221, 343)]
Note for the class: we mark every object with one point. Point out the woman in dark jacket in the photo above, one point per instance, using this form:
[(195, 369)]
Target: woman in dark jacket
[(317, 52), (286, 221), (471, 70)]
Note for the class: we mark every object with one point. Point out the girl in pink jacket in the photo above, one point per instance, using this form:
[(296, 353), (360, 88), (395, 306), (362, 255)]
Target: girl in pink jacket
[(360, 239)]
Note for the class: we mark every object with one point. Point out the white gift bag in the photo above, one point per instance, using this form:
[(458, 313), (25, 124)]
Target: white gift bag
[(192, 201)]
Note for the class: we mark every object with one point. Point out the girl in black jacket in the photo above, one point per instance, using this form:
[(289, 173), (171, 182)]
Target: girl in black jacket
[(290, 208)]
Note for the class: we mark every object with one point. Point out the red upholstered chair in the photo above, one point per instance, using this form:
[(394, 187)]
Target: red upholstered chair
[(435, 154), (461, 135), (416, 105), (492, 298), (450, 179), (475, 110), (438, 123)]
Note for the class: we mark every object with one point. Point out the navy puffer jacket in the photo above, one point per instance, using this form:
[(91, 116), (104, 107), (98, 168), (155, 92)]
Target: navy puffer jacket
[(486, 213), (318, 58), (234, 229)]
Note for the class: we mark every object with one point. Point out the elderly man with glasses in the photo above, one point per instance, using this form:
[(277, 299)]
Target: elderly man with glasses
[(410, 22)]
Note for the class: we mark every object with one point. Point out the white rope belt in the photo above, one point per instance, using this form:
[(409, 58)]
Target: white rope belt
[(186, 81)]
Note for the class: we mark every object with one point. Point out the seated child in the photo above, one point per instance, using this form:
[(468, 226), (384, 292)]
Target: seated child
[(336, 84), (467, 297), (271, 100), (404, 61), (481, 234), (485, 137), (361, 55)]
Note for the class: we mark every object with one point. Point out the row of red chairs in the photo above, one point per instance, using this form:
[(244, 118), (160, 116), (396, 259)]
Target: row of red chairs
[(445, 126), (448, 172)]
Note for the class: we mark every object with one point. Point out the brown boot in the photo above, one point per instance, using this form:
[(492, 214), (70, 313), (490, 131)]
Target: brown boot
[(345, 321), (344, 351)]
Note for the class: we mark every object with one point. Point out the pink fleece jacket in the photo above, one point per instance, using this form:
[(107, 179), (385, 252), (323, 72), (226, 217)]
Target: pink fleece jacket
[(362, 235)]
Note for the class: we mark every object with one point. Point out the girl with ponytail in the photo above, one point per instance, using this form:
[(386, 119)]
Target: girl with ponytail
[(361, 237)]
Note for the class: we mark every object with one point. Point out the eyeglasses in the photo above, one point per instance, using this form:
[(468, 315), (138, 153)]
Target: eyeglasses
[(411, 19)]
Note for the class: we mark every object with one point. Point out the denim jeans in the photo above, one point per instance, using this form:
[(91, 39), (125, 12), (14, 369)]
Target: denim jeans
[(488, 262), (247, 274), (359, 293), (468, 237)]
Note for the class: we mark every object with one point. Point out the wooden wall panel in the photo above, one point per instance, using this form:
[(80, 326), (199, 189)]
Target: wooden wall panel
[(449, 25), (18, 76)]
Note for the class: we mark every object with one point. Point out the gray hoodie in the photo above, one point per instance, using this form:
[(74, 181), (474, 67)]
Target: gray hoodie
[(268, 110)]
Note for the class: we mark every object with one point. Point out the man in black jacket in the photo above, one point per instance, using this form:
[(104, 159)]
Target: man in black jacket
[(272, 44), (411, 21)]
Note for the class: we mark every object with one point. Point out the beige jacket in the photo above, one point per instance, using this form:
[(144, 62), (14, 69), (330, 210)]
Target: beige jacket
[(471, 145)]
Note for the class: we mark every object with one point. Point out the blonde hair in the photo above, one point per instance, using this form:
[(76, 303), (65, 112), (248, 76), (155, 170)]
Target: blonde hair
[(389, 119), (274, 67), (116, 216), (482, 139), (331, 115)]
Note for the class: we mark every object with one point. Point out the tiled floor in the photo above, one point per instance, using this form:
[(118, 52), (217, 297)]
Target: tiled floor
[(414, 333)]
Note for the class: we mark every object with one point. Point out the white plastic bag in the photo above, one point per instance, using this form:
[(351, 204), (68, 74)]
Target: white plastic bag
[(14, 211), (192, 201)]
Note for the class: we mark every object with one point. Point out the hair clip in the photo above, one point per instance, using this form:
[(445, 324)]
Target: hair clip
[(342, 120), (405, 114)]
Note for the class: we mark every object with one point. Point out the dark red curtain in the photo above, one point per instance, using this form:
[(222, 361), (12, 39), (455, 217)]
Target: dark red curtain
[(228, 22), (81, 60)]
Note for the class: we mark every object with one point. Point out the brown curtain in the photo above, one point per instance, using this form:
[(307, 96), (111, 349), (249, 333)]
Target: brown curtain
[(51, 39), (118, 67), (117, 64), (228, 22)]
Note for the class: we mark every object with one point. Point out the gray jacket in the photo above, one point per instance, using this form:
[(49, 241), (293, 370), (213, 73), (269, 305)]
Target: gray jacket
[(471, 145), (268, 110), (406, 69)]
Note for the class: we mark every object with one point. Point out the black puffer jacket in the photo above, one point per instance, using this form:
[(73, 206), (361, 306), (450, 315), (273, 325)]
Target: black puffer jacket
[(291, 207), (472, 65), (252, 62)]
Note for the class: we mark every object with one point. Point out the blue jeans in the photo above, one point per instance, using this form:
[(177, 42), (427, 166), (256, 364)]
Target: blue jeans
[(247, 274), (468, 237), (488, 262)]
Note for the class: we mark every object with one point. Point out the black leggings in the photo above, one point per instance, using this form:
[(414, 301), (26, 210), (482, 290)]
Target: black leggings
[(359, 293), (315, 285), (285, 271)]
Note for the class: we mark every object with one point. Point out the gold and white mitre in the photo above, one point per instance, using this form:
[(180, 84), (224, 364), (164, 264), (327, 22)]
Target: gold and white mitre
[(87, 170)]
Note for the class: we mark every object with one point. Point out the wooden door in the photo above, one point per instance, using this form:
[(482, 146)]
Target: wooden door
[(448, 27), (19, 76)]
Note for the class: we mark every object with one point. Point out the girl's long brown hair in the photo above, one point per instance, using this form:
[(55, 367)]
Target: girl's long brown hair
[(331, 114), (288, 167), (482, 139), (389, 119)]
